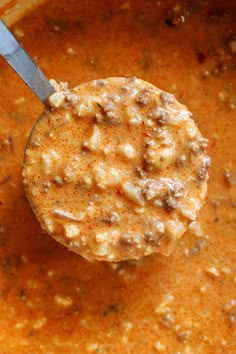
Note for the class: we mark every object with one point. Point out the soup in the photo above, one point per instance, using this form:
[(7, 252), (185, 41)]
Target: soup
[(116, 169), (54, 301)]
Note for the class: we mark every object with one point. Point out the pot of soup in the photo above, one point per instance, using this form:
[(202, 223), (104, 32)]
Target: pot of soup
[(153, 294)]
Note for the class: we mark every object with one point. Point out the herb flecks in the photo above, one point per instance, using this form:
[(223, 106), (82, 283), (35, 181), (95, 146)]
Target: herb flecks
[(113, 308), (22, 295)]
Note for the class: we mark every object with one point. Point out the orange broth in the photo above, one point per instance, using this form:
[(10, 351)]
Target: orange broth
[(54, 301)]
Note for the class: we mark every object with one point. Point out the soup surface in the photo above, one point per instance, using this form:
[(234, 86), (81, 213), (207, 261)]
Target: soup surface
[(54, 301)]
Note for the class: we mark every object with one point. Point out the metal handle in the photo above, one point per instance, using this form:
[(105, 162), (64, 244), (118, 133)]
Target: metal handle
[(22, 63)]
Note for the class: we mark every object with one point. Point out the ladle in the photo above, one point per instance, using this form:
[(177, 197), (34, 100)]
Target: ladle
[(115, 168), (23, 64)]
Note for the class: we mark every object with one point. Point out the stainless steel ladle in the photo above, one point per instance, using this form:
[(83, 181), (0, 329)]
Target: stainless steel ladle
[(23, 64)]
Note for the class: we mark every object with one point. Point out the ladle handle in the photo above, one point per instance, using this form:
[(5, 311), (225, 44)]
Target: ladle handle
[(22, 63)]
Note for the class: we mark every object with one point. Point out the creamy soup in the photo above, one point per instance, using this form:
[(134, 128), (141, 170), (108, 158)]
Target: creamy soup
[(115, 169), (54, 301)]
